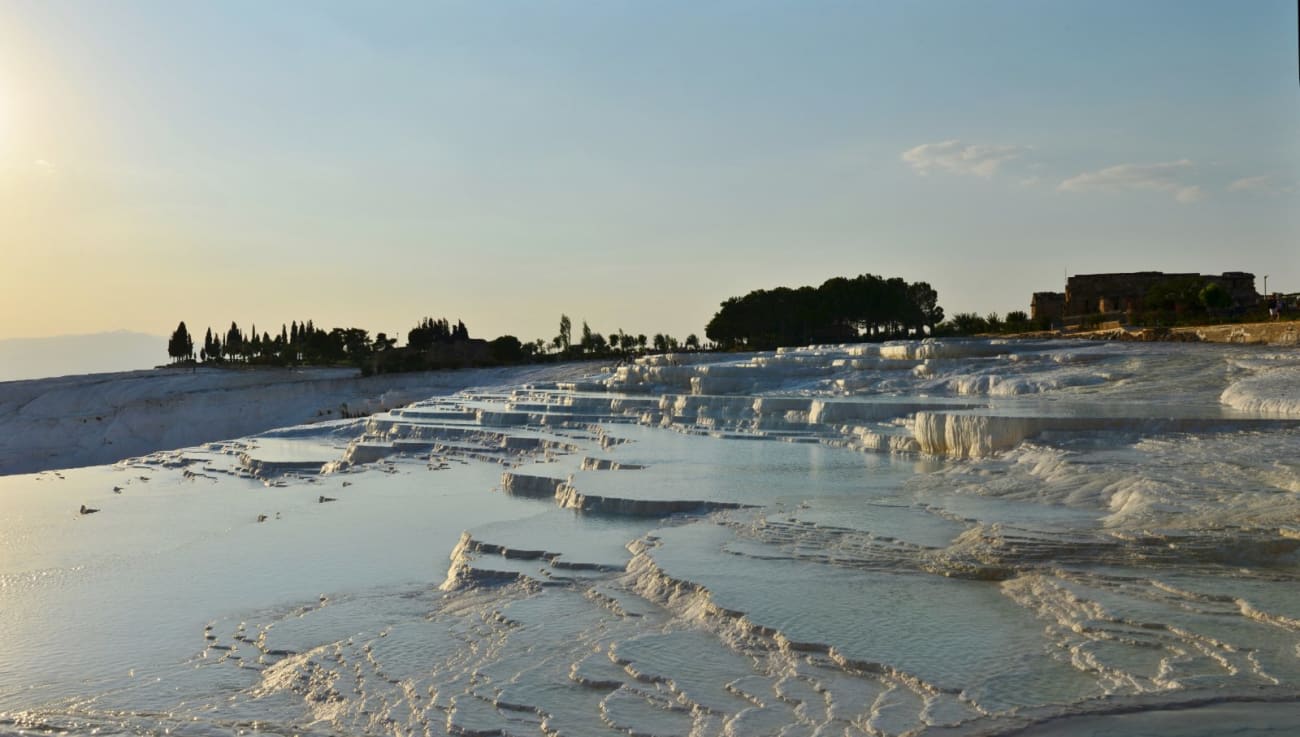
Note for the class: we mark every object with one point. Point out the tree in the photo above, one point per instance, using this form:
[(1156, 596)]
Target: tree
[(926, 300), (252, 344), (181, 345), (234, 341), (693, 342), (430, 331), (356, 343), (565, 338), (1179, 294), (506, 349), (1017, 320), (1213, 298), (384, 343), (968, 323), (841, 309)]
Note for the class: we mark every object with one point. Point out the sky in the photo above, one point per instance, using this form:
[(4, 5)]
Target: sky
[(630, 164)]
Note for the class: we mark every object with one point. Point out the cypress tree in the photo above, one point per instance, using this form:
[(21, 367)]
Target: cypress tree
[(181, 345), (234, 341)]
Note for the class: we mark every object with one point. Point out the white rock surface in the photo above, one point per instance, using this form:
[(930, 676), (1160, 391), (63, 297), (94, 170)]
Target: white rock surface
[(87, 420)]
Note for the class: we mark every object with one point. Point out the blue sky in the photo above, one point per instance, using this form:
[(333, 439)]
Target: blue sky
[(632, 164)]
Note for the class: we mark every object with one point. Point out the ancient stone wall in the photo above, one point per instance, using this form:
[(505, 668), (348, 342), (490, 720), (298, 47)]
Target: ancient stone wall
[(1047, 306), (1087, 294), (1240, 284)]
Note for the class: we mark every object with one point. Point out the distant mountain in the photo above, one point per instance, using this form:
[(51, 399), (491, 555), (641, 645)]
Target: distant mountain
[(63, 355)]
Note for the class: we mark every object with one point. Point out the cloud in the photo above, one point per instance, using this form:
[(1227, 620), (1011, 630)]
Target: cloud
[(1169, 176), (956, 157), (1251, 184), (45, 168)]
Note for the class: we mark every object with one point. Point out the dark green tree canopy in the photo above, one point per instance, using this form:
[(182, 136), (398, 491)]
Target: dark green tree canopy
[(1213, 297), (507, 349), (565, 338), (1176, 293), (430, 332), (181, 346), (841, 309)]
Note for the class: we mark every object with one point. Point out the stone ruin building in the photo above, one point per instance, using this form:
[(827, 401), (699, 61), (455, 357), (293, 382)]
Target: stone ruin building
[(1098, 294)]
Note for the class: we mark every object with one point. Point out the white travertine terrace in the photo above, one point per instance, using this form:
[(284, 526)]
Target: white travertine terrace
[(890, 540)]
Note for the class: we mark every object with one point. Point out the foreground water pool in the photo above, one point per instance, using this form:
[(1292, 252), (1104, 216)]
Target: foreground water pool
[(962, 538)]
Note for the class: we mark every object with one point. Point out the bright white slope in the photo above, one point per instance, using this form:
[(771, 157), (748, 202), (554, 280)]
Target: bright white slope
[(75, 421)]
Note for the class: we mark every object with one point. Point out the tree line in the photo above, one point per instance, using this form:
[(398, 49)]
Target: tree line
[(865, 307), (620, 344), (432, 344), (295, 344), (843, 309), (1190, 299), (969, 323)]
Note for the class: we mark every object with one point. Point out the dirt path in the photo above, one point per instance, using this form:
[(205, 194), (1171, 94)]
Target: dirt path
[(1277, 332)]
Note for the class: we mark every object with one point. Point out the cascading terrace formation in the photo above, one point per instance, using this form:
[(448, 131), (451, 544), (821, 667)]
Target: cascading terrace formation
[(917, 538)]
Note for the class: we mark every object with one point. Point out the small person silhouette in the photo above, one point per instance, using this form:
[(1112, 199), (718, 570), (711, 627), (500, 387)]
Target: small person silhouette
[(87, 510)]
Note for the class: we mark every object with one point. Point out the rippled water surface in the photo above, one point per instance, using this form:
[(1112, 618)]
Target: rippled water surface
[(936, 538)]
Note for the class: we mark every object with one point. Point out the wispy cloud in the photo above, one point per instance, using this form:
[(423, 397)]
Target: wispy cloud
[(955, 157), (45, 168), (1251, 184), (1169, 176)]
